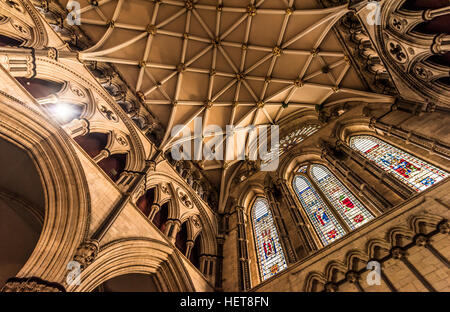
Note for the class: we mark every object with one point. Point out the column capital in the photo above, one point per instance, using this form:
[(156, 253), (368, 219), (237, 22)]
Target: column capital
[(421, 240), (398, 253), (86, 252)]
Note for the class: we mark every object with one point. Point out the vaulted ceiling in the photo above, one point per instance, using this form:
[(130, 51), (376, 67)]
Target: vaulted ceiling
[(230, 62)]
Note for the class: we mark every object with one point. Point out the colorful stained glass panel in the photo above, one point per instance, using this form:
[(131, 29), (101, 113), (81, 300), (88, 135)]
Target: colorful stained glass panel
[(270, 252), (412, 171), (291, 140), (347, 205), (325, 224), (303, 169)]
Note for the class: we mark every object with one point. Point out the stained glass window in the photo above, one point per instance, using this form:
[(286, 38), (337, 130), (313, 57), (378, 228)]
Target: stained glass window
[(325, 224), (291, 140), (270, 253), (414, 172), (351, 210), (303, 169)]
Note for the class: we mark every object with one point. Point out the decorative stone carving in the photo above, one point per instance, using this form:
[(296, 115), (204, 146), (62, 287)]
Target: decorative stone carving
[(397, 51), (15, 5), (32, 284), (196, 222), (122, 141), (165, 189), (77, 91), (86, 253), (352, 277), (52, 53), (108, 113), (184, 197), (398, 253)]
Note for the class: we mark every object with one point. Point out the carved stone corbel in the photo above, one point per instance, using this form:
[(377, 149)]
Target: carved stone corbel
[(86, 253)]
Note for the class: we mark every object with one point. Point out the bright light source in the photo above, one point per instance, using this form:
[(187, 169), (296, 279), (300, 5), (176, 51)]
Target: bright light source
[(63, 112)]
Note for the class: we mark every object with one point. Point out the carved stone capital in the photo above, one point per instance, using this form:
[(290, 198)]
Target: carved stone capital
[(86, 253), (398, 253), (352, 277), (421, 240)]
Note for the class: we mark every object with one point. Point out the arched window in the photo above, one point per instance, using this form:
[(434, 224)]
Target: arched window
[(327, 227), (330, 206), (412, 171), (270, 253), (291, 140), (347, 205)]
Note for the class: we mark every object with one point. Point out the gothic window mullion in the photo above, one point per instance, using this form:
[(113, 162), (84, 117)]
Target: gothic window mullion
[(281, 226), (341, 200), (328, 203), (326, 226), (298, 217), (384, 177), (358, 185)]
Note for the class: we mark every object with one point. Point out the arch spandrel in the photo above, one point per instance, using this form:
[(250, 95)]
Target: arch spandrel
[(67, 211)]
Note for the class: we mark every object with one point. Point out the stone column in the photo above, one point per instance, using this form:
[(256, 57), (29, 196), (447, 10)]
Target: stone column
[(189, 246), (77, 127), (219, 262), (153, 211), (102, 155), (244, 266), (173, 226), (289, 251), (302, 229)]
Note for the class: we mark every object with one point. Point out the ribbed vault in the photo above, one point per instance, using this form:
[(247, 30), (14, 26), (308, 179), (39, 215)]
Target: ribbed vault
[(230, 62)]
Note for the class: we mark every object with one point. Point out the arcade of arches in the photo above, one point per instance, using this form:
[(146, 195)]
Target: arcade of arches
[(92, 105)]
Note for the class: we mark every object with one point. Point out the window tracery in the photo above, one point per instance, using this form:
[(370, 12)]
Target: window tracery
[(348, 206), (324, 222), (291, 140), (330, 206)]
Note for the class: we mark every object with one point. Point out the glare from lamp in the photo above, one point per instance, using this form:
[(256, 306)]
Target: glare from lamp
[(63, 112)]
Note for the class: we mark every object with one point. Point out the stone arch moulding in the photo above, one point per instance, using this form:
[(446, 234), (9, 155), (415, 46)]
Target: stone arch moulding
[(249, 195), (209, 230), (131, 255), (345, 130), (21, 21), (403, 50), (292, 162), (67, 201), (57, 70)]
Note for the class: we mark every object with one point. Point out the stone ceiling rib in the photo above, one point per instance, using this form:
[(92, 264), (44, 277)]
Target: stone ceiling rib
[(246, 78)]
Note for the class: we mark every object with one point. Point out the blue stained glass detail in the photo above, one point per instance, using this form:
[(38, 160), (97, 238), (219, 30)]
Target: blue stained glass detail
[(351, 210), (325, 224)]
